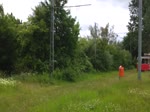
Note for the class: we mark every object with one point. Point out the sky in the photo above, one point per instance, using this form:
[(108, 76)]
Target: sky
[(114, 12)]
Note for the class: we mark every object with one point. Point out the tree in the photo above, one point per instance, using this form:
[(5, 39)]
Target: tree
[(66, 35), (109, 52), (101, 38), (36, 38), (146, 30), (1, 11), (105, 33), (8, 41), (130, 42)]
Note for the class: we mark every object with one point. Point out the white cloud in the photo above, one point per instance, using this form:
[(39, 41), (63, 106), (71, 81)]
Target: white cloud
[(20, 8), (102, 12)]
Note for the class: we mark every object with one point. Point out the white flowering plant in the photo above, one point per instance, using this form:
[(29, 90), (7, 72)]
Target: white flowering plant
[(7, 82)]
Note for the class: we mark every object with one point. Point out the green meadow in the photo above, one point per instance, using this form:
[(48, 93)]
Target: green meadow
[(97, 92)]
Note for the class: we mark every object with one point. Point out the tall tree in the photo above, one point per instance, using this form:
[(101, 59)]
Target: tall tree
[(130, 42), (98, 51), (104, 33), (146, 27), (8, 42), (37, 36), (108, 35), (1, 10)]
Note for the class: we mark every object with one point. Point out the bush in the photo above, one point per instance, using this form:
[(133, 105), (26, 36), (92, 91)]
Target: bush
[(103, 61), (29, 64), (57, 74), (122, 57), (67, 74)]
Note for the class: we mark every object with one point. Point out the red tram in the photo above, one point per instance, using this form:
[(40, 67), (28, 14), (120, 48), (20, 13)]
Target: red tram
[(145, 65)]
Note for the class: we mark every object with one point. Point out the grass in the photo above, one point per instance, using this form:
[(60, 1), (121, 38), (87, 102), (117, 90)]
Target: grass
[(101, 92)]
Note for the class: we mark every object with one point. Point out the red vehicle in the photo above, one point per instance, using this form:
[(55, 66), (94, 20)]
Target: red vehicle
[(145, 65)]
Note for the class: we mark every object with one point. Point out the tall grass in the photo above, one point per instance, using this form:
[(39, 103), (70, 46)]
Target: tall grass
[(101, 92)]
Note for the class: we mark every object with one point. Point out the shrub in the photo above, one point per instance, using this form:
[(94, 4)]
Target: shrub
[(29, 64), (67, 74), (57, 74)]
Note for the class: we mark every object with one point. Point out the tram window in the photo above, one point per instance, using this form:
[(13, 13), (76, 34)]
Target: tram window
[(145, 61)]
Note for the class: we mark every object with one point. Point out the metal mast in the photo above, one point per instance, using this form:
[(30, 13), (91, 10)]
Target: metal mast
[(52, 43), (140, 40), (52, 39)]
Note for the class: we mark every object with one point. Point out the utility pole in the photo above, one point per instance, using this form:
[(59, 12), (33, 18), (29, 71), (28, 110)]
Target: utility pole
[(52, 39), (95, 39), (52, 43), (140, 40)]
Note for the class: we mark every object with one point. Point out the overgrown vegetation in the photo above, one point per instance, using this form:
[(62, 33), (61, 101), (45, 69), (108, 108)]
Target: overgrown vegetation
[(24, 50), (99, 92), (24, 46)]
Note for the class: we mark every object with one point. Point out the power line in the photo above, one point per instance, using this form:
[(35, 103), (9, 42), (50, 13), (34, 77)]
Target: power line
[(77, 6), (122, 33), (73, 6)]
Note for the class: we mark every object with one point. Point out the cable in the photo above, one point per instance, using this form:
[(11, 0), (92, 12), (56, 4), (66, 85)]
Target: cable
[(77, 6)]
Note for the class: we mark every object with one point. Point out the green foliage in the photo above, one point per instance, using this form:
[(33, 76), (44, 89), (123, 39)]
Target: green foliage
[(121, 57), (8, 42), (106, 34), (76, 68), (35, 38), (104, 52), (67, 74), (109, 57), (103, 60), (80, 63), (130, 42), (25, 47), (1, 10), (81, 60)]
